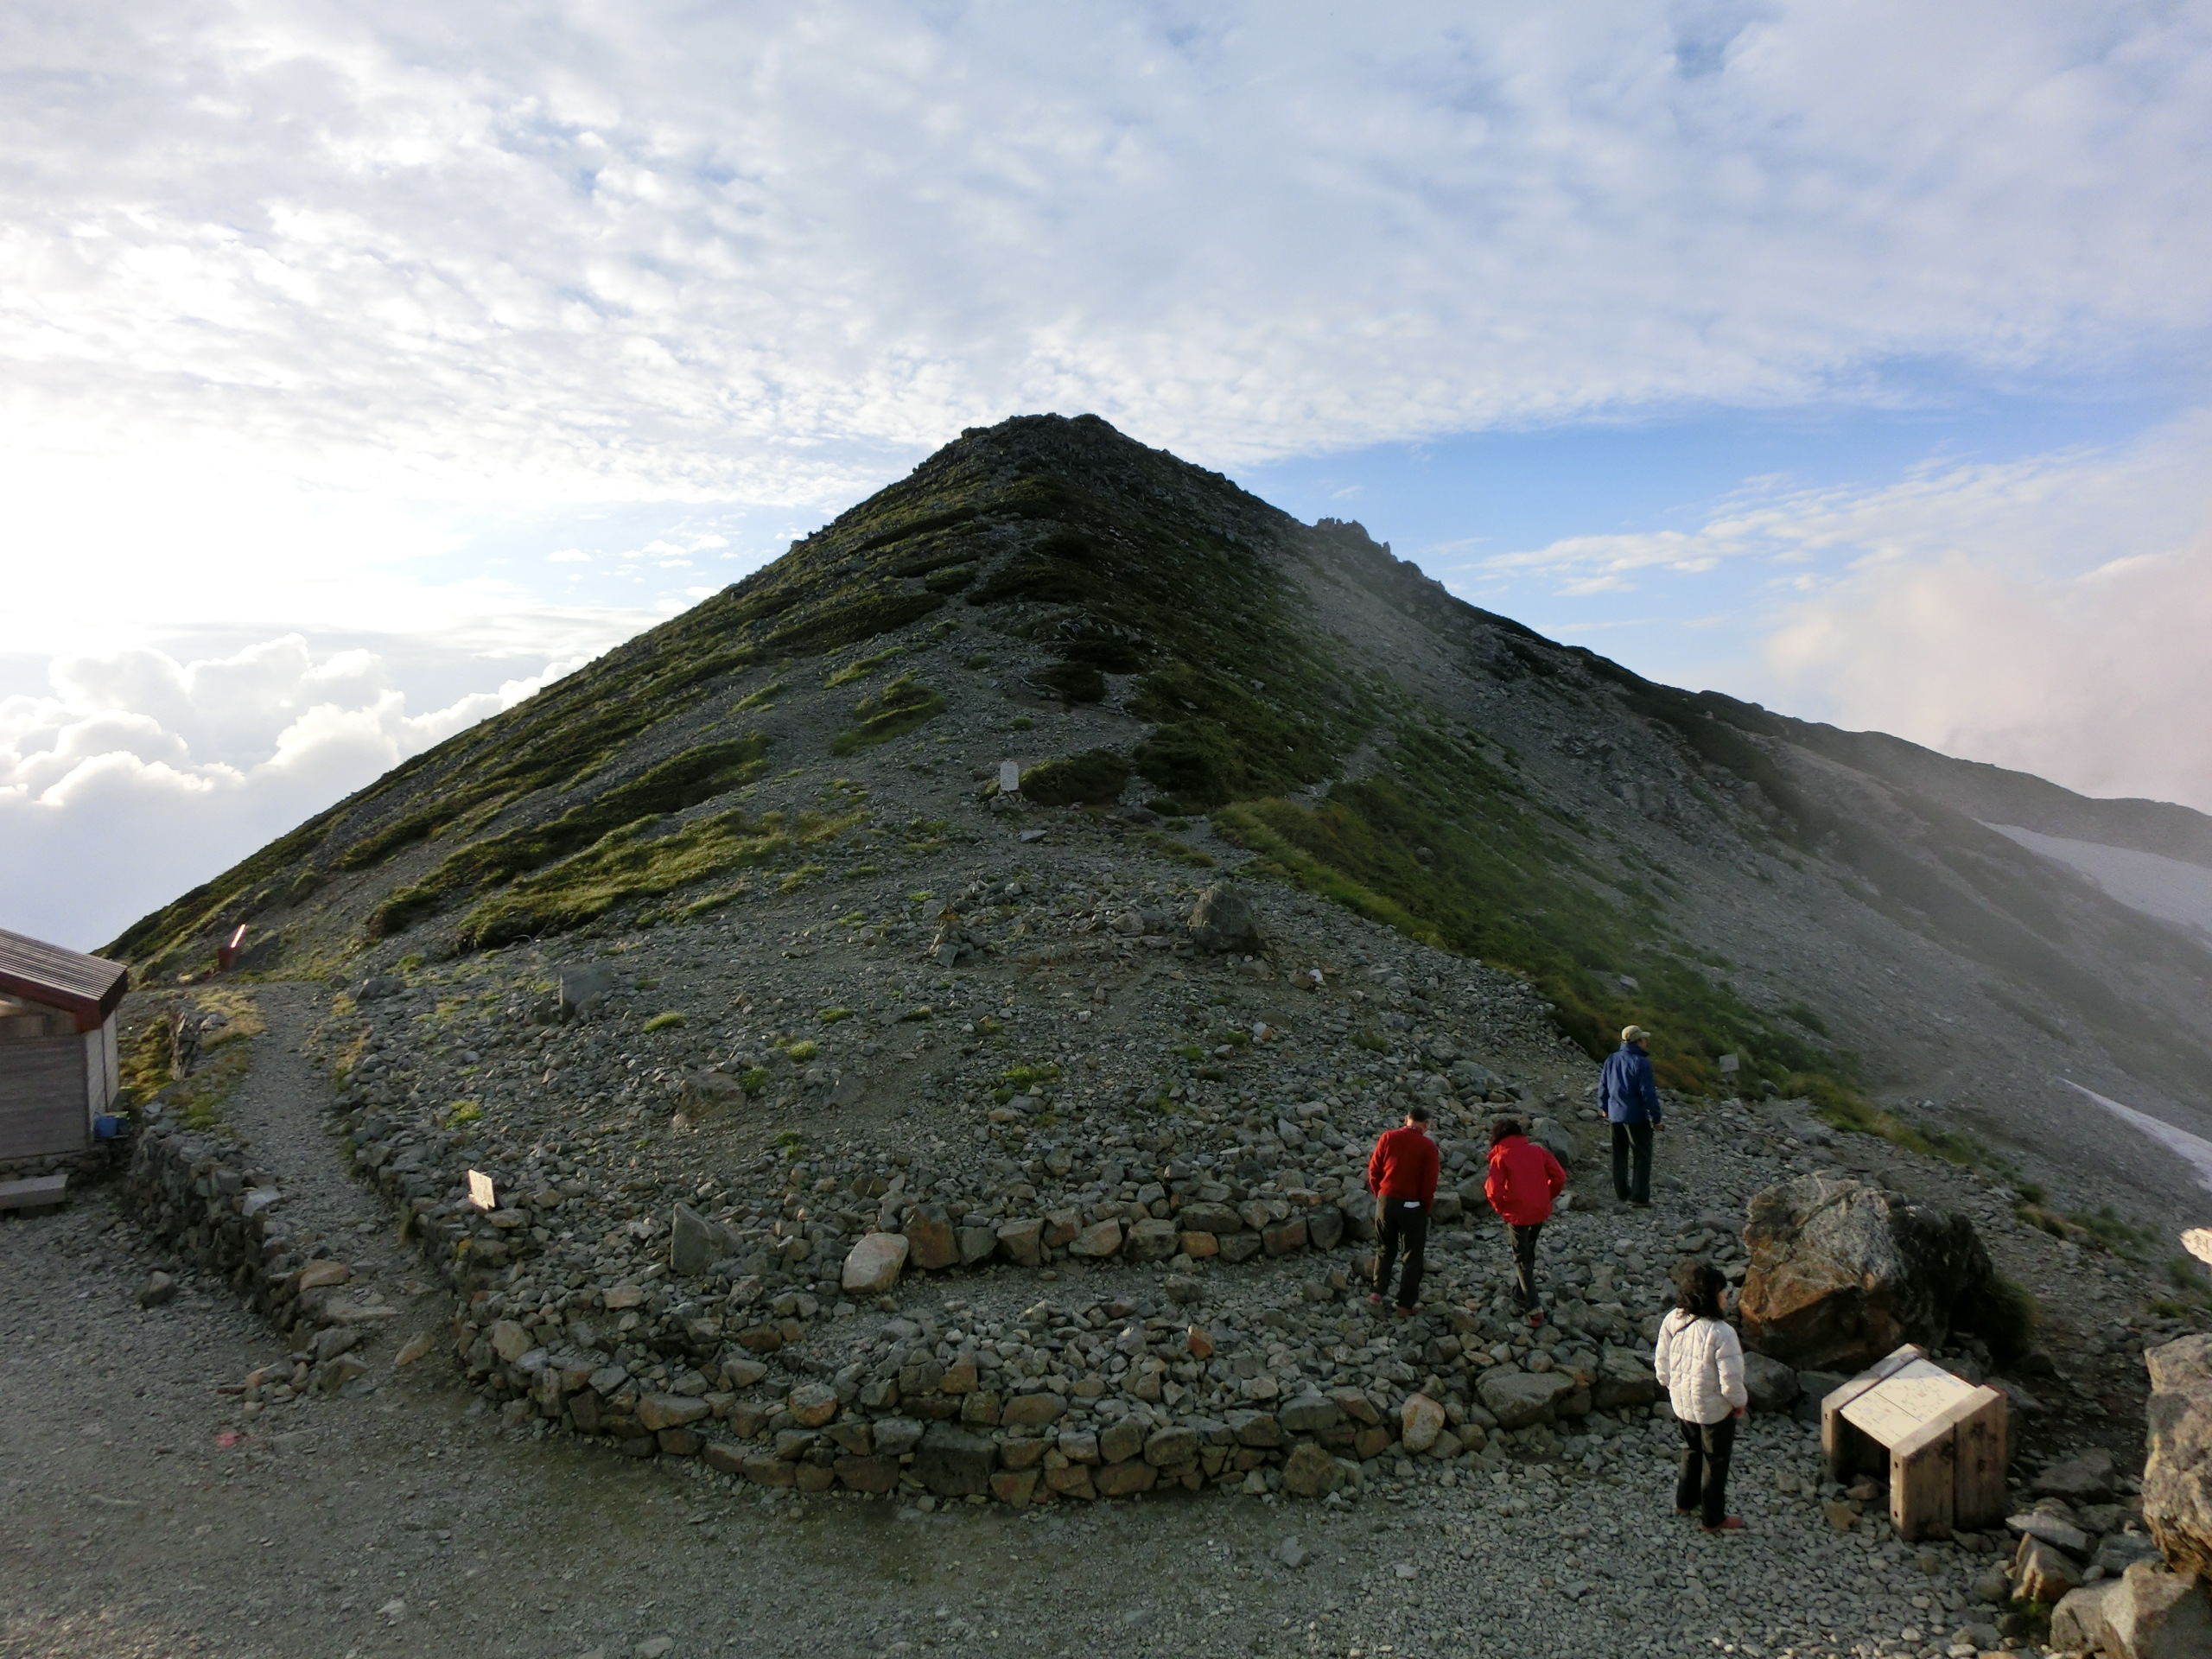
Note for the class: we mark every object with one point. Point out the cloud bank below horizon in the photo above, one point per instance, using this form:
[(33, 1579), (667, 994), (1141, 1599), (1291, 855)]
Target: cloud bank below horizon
[(141, 776), (2045, 614)]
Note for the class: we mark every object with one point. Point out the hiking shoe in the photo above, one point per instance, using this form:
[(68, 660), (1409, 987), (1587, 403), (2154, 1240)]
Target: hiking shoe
[(1405, 1313), (1374, 1298), (1734, 1524), (1536, 1317), (1684, 1512)]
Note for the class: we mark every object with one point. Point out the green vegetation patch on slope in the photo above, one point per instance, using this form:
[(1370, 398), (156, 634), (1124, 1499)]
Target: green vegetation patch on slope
[(1142, 565), (846, 620), (893, 711), (1501, 882), (564, 734), (1214, 742), (681, 781), (1075, 682), (146, 1054), (634, 863), (816, 599), (861, 667), (1095, 778)]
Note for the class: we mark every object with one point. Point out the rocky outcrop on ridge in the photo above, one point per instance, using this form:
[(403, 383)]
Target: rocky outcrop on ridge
[(1842, 1273), (1176, 673)]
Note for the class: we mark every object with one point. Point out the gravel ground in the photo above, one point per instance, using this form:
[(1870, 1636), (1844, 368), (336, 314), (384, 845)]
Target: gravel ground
[(280, 1109), (148, 1513)]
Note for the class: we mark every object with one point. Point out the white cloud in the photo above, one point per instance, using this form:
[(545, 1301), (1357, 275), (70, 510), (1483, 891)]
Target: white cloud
[(2047, 614), (657, 250), (2097, 680), (142, 776)]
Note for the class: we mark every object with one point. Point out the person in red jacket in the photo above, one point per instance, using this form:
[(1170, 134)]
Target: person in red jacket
[(1402, 1174), (1523, 1180)]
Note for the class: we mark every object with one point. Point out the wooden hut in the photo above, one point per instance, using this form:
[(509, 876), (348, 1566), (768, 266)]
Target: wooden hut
[(58, 1061)]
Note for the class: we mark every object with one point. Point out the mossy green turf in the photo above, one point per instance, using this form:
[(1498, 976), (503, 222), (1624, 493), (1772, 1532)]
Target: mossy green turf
[(1097, 777), (683, 780), (640, 861), (897, 708), (1502, 882)]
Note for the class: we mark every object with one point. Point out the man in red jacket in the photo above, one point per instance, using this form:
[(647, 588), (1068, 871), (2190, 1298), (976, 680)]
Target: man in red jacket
[(1523, 1180), (1402, 1174)]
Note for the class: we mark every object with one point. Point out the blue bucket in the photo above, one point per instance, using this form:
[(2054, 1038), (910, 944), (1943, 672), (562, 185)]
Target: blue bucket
[(106, 1127)]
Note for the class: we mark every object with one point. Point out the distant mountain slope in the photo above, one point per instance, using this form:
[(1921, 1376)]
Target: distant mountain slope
[(2167, 888), (1997, 795), (1778, 899)]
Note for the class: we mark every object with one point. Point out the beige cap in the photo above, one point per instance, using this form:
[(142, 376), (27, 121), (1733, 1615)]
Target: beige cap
[(1635, 1034)]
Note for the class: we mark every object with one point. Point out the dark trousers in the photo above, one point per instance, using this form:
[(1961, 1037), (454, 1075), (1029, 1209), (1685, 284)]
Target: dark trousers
[(1704, 1482), (1524, 1261), (1400, 1224), (1635, 1137)]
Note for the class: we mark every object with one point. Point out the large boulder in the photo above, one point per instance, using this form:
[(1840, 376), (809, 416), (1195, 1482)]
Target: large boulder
[(2043, 1572), (582, 988), (1310, 1472), (708, 1094), (2085, 1479), (1517, 1399), (1771, 1385), (1358, 1211), (1098, 1240), (1420, 1420), (1557, 1139), (1021, 1241), (873, 1266), (1622, 1380), (2077, 1623), (2177, 1478), (954, 1464), (2157, 1614), (1842, 1273), (1150, 1240), (1221, 920), (931, 1243), (696, 1243), (1214, 1218)]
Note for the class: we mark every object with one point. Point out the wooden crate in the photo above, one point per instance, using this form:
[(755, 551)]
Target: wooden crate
[(1940, 1440)]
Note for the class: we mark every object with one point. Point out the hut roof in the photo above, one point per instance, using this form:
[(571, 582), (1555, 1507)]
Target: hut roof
[(88, 987)]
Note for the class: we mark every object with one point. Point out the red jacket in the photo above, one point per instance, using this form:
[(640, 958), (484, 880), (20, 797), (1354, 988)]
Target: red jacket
[(1523, 1180), (1404, 1166)]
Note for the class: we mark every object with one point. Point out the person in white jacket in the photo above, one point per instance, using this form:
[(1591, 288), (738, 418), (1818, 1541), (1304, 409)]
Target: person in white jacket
[(1699, 1363)]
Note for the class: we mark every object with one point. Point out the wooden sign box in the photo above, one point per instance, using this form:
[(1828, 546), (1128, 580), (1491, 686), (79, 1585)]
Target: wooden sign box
[(1940, 1439)]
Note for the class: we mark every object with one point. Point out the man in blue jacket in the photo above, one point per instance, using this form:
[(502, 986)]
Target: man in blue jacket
[(1630, 1097)]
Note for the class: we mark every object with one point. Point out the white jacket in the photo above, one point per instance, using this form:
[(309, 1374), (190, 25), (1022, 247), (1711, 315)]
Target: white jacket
[(1700, 1364)]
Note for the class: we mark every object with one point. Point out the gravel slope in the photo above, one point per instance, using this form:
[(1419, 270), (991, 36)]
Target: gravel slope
[(146, 1514)]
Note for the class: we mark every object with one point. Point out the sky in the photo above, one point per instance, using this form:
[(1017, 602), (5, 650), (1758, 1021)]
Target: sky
[(362, 368)]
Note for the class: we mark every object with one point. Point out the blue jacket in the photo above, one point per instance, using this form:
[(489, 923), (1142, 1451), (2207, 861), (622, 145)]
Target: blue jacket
[(1626, 1088)]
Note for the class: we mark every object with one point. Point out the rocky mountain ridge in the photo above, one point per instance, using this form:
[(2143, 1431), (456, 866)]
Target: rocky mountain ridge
[(1777, 900), (771, 1080)]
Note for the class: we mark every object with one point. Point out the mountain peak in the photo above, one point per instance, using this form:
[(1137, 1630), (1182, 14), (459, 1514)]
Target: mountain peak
[(1187, 676)]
